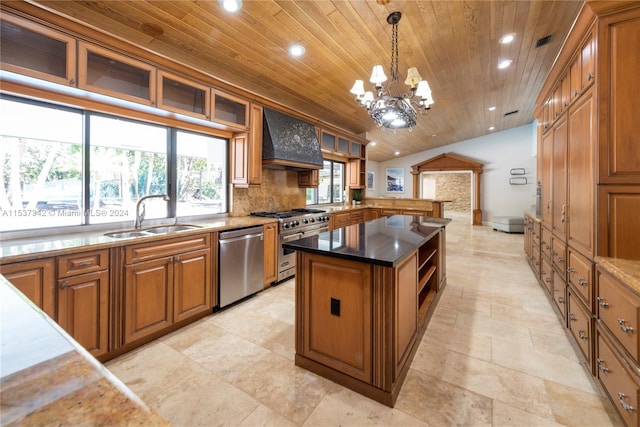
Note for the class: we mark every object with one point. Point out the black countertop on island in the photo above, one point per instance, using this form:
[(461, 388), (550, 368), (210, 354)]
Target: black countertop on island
[(384, 241)]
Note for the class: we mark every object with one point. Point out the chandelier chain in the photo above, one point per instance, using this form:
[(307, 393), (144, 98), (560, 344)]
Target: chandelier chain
[(394, 52)]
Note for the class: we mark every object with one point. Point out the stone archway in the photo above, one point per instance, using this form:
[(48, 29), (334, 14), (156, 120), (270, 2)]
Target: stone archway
[(451, 162)]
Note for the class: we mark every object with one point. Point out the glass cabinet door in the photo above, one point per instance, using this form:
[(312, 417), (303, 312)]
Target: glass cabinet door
[(328, 141), (343, 145), (36, 51), (182, 95), (356, 149), (229, 110), (103, 71)]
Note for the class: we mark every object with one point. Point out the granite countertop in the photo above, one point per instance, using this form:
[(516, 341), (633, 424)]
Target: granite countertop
[(29, 248), (626, 271), (47, 378), (384, 241)]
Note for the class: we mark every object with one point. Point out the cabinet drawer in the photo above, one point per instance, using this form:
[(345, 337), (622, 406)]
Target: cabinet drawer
[(164, 248), (416, 212), (341, 219), (387, 212), (546, 275), (558, 256), (535, 260), (579, 322), (535, 233), (357, 217), (619, 310), (560, 295), (86, 262), (580, 275), (545, 243), (618, 382)]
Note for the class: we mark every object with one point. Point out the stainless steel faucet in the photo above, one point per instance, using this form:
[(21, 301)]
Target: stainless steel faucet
[(140, 215)]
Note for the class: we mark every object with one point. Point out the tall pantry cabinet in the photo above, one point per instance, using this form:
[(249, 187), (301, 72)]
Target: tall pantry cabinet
[(589, 171)]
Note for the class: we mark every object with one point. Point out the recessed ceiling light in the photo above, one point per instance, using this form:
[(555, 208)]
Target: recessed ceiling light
[(507, 38), (296, 50), (397, 153), (372, 143), (492, 108), (433, 135), (492, 128), (231, 5), (504, 63)]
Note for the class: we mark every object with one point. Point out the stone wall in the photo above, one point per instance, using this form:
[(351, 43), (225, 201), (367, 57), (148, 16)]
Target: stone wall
[(455, 187), (279, 192)]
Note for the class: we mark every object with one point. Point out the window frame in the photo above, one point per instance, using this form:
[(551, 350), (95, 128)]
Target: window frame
[(171, 166), (314, 191)]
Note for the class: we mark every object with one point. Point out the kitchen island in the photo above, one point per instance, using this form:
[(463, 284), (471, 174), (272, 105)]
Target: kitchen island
[(364, 294)]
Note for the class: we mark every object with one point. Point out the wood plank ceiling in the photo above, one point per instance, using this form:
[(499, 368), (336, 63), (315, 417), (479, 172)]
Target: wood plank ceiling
[(454, 44)]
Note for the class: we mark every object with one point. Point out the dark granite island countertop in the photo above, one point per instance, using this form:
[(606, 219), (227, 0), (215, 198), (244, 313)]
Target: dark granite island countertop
[(383, 241), (364, 296)]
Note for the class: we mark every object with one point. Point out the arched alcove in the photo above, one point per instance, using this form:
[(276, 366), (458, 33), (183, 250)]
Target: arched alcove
[(451, 163)]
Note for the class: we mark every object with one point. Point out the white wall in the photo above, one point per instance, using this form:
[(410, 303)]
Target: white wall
[(499, 152)]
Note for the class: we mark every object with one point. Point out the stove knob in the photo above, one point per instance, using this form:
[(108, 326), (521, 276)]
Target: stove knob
[(305, 221), (313, 220), (296, 223), (286, 225)]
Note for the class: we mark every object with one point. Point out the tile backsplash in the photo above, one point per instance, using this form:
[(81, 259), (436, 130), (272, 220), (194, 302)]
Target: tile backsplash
[(279, 192)]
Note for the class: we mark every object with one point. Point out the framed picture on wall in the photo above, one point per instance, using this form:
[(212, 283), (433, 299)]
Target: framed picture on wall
[(370, 180), (395, 180)]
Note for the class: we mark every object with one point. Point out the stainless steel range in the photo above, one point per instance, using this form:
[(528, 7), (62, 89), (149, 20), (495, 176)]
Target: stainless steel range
[(295, 224)]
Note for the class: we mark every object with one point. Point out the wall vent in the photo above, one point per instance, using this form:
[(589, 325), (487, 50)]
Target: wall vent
[(544, 40), (510, 113)]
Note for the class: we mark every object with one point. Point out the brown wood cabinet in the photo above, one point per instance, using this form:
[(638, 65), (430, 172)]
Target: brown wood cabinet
[(83, 299), (240, 160), (37, 51), (183, 96), (255, 145), (165, 282), (309, 178), (618, 209), (559, 178), (104, 71), (36, 280), (230, 110), (270, 254)]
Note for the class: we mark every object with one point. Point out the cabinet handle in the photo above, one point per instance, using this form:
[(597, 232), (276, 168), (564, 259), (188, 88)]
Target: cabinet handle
[(561, 300), (601, 366), (64, 284), (589, 77), (84, 263), (565, 105), (72, 81), (548, 280), (560, 259), (153, 102), (176, 259), (570, 270), (624, 327), (624, 404), (582, 282), (602, 302), (572, 317), (582, 335), (554, 253), (575, 93)]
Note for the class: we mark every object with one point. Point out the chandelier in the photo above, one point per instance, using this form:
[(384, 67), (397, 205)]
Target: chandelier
[(390, 108)]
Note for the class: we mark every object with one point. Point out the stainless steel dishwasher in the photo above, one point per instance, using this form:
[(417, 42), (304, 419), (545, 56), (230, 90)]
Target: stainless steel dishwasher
[(241, 264)]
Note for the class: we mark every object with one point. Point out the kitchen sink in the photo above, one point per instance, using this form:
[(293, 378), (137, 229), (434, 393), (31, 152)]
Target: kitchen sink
[(126, 234), (160, 229), (171, 228)]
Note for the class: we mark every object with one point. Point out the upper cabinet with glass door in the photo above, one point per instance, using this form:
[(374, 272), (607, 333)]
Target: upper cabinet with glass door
[(183, 96), (37, 51), (229, 110), (109, 73)]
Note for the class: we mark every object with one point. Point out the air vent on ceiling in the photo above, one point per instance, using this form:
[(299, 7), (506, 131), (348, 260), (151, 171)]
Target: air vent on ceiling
[(510, 113), (544, 40)]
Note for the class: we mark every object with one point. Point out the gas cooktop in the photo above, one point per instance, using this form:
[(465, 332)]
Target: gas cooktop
[(288, 214)]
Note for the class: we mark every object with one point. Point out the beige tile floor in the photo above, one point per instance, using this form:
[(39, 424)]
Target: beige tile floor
[(494, 354)]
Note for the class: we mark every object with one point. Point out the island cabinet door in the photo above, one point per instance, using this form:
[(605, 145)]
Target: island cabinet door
[(337, 311), (406, 310)]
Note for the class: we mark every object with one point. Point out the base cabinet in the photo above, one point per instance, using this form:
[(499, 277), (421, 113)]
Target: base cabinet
[(170, 284), (83, 310), (36, 280), (270, 254)]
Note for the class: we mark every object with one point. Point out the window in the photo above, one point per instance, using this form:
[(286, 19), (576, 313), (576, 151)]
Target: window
[(63, 173), (330, 184), (202, 168), (41, 166), (128, 161)]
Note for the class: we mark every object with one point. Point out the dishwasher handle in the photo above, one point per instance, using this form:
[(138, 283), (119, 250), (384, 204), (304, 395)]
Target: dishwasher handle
[(243, 237)]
